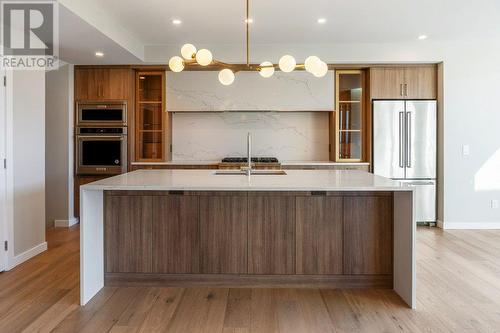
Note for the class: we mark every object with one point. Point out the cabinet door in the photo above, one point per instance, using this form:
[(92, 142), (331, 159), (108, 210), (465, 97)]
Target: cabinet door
[(271, 235), (176, 243), (102, 83), (368, 234), (223, 234), (387, 82), (319, 235), (128, 221), (421, 82), (116, 83)]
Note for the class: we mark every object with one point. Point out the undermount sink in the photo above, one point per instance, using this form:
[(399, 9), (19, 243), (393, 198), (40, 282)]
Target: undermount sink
[(253, 173)]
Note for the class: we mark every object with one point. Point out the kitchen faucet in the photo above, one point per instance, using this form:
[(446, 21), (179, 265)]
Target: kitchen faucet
[(248, 168)]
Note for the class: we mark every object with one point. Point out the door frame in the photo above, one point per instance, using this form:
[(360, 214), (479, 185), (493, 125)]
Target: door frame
[(6, 175), (3, 173)]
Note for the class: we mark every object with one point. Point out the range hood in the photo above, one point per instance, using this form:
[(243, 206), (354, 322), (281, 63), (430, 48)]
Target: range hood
[(198, 91)]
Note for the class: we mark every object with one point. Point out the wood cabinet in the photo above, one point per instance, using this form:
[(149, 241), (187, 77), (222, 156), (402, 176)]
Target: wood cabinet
[(223, 232), (349, 118), (319, 235), (176, 234), (249, 238), (271, 234), (128, 234), (368, 229), (151, 118), (101, 83), (415, 82)]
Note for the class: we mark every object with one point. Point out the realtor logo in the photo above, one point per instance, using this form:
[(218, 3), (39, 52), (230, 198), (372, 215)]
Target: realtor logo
[(29, 34)]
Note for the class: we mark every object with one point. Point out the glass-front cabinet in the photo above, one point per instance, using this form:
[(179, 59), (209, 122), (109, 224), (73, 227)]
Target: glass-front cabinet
[(349, 119), (150, 116)]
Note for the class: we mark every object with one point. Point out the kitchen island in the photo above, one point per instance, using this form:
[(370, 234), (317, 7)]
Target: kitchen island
[(314, 228)]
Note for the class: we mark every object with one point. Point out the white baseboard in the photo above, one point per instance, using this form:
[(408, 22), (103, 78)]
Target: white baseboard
[(66, 223), (26, 255), (472, 225)]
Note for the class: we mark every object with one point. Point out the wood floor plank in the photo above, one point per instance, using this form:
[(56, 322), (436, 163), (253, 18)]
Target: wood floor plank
[(201, 310), (238, 310), (458, 290), (162, 311)]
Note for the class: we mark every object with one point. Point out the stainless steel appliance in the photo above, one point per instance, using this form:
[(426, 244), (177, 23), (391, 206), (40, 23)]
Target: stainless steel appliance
[(99, 114), (404, 149), (101, 150)]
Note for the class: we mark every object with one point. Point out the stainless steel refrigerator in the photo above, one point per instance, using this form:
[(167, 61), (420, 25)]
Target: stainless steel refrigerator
[(404, 149)]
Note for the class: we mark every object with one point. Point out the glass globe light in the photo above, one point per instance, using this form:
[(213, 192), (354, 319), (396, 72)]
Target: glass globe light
[(188, 51), (312, 64), (226, 77), (204, 57), (176, 64), (266, 71), (287, 63), (321, 70)]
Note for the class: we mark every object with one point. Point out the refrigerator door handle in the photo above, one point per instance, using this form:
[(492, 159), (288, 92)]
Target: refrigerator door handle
[(401, 139), (408, 139)]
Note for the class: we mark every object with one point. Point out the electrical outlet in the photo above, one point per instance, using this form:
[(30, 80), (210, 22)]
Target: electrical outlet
[(465, 150), (494, 204)]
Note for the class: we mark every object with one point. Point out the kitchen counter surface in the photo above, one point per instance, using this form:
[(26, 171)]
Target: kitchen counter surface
[(207, 180), (283, 163)]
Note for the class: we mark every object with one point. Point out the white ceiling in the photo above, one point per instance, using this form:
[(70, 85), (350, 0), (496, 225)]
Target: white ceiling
[(294, 22), (206, 23)]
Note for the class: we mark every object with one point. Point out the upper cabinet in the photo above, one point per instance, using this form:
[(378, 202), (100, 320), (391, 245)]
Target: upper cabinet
[(102, 83), (415, 82), (350, 116), (296, 91), (150, 117)]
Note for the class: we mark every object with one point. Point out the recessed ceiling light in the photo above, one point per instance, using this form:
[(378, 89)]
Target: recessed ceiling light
[(176, 22), (250, 20), (322, 20), (422, 37), (99, 54)]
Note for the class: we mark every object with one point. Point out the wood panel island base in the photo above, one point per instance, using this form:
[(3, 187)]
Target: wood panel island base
[(182, 228)]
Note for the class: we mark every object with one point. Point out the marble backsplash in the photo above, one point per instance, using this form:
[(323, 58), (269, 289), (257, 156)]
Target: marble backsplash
[(296, 91), (285, 135)]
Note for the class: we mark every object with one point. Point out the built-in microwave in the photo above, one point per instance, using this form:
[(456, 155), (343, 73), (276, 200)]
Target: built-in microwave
[(98, 113), (101, 151)]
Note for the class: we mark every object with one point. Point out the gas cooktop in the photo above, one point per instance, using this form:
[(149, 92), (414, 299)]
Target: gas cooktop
[(254, 160)]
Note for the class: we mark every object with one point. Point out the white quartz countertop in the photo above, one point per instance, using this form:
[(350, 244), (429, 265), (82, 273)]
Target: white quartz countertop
[(207, 180), (284, 163)]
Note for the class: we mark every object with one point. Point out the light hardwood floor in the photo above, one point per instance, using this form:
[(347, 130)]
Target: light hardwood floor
[(458, 291)]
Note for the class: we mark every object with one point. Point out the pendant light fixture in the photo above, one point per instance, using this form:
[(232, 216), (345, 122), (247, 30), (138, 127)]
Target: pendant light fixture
[(287, 63)]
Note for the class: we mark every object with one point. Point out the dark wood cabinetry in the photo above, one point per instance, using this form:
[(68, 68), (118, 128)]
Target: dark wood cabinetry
[(249, 238), (319, 235), (415, 82), (128, 233), (271, 234), (100, 83), (223, 234), (176, 234), (368, 234)]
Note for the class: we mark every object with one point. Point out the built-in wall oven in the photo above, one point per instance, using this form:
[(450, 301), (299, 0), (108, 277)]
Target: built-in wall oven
[(101, 150), (98, 113)]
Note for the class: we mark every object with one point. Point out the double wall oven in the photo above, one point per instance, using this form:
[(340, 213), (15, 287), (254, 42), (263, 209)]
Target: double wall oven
[(101, 138)]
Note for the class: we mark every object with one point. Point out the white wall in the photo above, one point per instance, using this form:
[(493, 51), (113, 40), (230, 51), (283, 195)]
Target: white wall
[(59, 146), (26, 166), (286, 135), (471, 110)]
